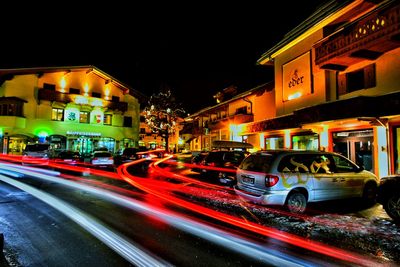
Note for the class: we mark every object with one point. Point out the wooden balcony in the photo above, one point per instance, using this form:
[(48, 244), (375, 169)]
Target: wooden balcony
[(52, 95), (364, 39), (234, 119)]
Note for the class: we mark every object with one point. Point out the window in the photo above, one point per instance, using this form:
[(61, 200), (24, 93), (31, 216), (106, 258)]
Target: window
[(274, 142), (241, 110), (49, 86), (94, 94), (107, 119), (305, 142), (343, 165), (356, 80), (127, 121), (115, 98), (84, 117), (57, 114), (74, 91)]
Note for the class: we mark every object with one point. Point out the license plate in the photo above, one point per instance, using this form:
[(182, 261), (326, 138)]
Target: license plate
[(248, 180)]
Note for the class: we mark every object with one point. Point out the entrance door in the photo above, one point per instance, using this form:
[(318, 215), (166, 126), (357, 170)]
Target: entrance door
[(356, 146)]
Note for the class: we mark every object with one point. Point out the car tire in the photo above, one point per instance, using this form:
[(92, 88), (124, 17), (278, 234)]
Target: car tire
[(369, 193), (392, 207), (296, 202)]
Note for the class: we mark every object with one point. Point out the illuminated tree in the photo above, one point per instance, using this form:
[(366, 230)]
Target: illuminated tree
[(162, 113)]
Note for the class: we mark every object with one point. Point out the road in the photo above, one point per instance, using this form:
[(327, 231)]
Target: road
[(86, 222)]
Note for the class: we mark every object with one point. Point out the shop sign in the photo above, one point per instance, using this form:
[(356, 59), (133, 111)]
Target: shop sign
[(72, 115), (297, 77), (83, 133)]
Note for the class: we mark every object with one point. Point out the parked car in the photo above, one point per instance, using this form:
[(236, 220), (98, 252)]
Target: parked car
[(68, 157), (292, 178), (102, 159), (127, 155), (196, 159), (36, 153), (223, 159), (389, 196)]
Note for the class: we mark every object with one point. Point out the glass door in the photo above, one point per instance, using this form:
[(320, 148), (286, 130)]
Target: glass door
[(356, 146)]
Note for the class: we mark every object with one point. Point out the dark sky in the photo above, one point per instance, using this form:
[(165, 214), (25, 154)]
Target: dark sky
[(195, 48)]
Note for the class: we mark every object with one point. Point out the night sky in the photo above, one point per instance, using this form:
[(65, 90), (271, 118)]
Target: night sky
[(194, 48)]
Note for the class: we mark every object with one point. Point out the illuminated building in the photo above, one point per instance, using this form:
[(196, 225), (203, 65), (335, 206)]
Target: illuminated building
[(225, 121), (336, 88), (79, 108)]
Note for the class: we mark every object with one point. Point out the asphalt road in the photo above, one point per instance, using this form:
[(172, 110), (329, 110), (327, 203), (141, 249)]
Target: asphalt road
[(43, 234)]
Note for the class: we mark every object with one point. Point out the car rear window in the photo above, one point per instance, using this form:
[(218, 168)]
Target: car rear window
[(102, 154), (257, 163), (37, 147)]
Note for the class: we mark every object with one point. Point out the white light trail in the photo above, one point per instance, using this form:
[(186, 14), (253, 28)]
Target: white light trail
[(131, 252), (223, 238)]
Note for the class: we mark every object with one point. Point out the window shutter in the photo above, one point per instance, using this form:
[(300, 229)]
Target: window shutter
[(369, 76), (342, 84)]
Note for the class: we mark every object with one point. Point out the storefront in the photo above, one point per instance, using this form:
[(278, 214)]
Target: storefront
[(356, 145)]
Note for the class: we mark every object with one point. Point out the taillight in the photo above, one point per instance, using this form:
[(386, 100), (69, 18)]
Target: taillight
[(271, 180), (212, 164)]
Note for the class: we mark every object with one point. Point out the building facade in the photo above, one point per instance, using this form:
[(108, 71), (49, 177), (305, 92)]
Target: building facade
[(336, 88), (337, 84), (225, 121), (79, 108)]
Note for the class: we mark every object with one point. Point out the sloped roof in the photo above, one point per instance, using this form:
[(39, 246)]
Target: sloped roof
[(322, 12), (4, 73)]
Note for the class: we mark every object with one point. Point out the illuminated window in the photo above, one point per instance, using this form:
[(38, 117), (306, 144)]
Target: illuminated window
[(57, 114), (84, 117), (107, 119), (274, 142), (305, 142)]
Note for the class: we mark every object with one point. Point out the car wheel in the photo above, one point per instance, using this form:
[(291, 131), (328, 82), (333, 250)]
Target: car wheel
[(296, 202), (369, 193), (392, 207)]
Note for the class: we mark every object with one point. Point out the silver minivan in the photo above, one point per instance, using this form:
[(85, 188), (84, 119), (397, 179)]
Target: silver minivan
[(292, 178)]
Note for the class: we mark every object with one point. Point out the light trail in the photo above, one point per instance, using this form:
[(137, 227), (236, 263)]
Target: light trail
[(131, 252), (223, 238), (249, 226)]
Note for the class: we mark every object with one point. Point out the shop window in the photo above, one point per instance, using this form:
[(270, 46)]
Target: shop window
[(74, 91), (275, 142), (57, 114), (84, 117), (49, 86), (305, 142), (127, 121), (94, 94), (356, 80), (107, 119)]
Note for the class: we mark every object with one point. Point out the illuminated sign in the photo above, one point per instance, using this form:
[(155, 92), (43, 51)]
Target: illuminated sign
[(296, 77), (72, 115), (83, 133)]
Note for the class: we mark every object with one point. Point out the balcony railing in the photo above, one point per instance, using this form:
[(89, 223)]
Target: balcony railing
[(233, 119), (51, 95), (367, 38)]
